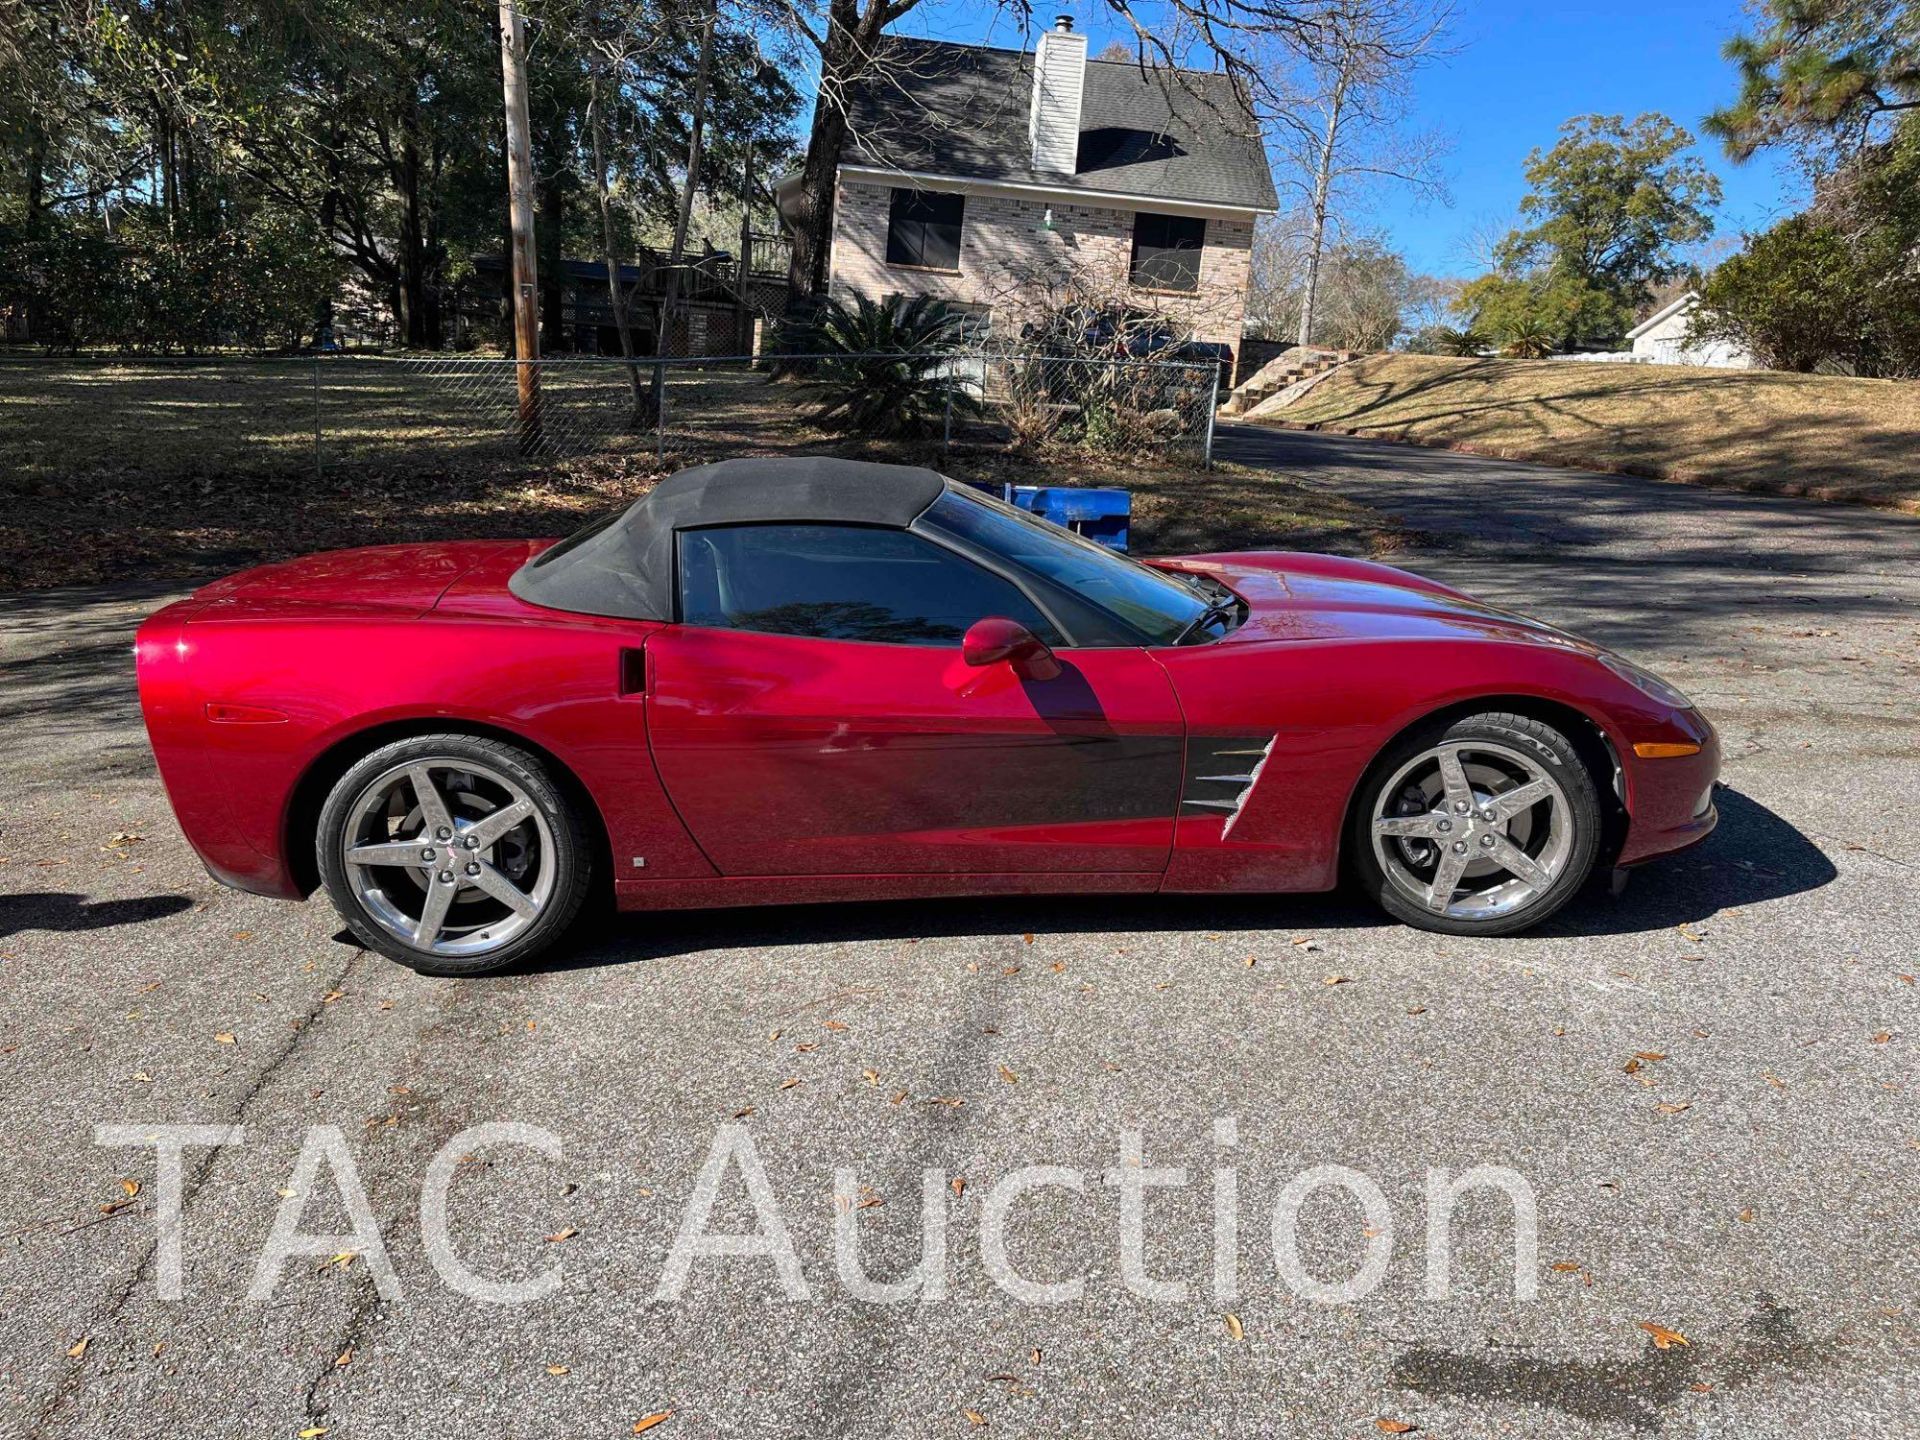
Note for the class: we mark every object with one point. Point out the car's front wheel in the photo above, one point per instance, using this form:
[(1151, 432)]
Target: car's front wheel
[(453, 854), (1482, 826)]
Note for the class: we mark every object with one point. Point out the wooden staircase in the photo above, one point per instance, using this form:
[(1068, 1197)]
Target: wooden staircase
[(1280, 373)]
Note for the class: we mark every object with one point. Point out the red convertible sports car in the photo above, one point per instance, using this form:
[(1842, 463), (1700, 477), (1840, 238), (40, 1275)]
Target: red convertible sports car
[(804, 680)]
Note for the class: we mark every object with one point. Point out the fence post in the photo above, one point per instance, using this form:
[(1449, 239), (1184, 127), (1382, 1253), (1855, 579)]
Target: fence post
[(318, 469), (660, 411), (1213, 406)]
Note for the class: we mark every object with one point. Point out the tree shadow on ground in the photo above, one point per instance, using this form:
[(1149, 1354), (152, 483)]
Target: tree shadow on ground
[(64, 911), (1753, 857)]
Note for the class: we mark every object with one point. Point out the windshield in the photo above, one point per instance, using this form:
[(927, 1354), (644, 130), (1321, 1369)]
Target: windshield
[(1154, 604)]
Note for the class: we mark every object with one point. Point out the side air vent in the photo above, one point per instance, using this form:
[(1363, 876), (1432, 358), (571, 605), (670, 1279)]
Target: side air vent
[(1221, 770)]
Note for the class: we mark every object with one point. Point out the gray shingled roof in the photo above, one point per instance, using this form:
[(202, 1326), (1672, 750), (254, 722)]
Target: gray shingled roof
[(961, 110)]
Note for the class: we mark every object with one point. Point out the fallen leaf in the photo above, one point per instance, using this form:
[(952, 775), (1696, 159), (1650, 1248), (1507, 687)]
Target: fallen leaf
[(343, 1359), (974, 1417), (1774, 1080), (1648, 1055), (1008, 1076), (225, 1037), (773, 1035), (1881, 1037), (1746, 1215), (1059, 967), (1394, 1427), (1033, 1356), (313, 1432), (742, 1114), (565, 1232), (1566, 1267), (1010, 970), (1028, 937), (806, 1047), (647, 1422), (132, 1187), (789, 1084), (1335, 980), (559, 1369), (834, 1025), (1234, 1327), (1416, 1010), (1632, 1067), (1663, 1338), (958, 1185), (1673, 1109), (872, 1077), (79, 1347)]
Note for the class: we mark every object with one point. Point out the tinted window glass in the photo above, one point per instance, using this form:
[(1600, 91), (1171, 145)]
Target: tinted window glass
[(924, 229), (1166, 251), (841, 582), (1154, 605)]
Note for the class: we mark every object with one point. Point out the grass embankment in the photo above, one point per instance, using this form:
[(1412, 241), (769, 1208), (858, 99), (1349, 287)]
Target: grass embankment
[(1831, 437), (158, 471)]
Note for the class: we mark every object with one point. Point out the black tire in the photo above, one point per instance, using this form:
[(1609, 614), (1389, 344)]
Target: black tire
[(1542, 745), (562, 844)]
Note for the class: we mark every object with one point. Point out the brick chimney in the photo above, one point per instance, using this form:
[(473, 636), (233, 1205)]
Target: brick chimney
[(1059, 75)]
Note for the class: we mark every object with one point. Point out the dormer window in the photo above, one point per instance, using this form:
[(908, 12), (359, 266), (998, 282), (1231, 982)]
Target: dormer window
[(1166, 251), (923, 229)]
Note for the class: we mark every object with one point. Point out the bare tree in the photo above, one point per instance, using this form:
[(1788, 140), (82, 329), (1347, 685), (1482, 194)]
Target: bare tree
[(1343, 126)]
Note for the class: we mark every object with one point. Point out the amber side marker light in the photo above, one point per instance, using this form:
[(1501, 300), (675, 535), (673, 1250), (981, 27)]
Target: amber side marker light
[(224, 714), (1664, 749)]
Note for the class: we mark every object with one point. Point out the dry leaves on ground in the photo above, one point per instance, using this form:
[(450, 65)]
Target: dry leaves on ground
[(1663, 1338)]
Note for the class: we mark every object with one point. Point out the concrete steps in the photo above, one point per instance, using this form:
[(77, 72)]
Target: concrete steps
[(1281, 373)]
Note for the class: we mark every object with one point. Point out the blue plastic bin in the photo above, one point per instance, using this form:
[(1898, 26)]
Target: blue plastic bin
[(1102, 515)]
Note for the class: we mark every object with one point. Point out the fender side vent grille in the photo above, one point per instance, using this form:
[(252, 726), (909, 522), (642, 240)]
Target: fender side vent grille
[(1221, 771)]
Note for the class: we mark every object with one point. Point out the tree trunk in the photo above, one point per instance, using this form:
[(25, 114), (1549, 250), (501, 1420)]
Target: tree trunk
[(1322, 191), (549, 223), (664, 341), (846, 52), (609, 254)]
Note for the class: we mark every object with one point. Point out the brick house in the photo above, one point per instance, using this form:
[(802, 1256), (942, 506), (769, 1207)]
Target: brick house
[(1003, 181)]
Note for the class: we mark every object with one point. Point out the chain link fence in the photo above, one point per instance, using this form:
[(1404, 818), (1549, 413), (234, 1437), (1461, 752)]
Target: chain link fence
[(322, 415)]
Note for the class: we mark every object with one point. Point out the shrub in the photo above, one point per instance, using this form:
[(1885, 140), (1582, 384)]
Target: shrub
[(1796, 296), (891, 369)]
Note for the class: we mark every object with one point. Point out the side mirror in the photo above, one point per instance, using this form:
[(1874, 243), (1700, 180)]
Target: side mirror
[(995, 638)]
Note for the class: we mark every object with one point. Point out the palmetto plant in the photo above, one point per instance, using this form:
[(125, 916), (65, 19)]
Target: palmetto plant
[(1526, 339), (1459, 342), (890, 368)]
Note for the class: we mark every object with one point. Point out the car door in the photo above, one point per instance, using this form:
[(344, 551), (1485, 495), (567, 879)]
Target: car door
[(812, 715)]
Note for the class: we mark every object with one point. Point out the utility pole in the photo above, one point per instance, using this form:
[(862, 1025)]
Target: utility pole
[(526, 283)]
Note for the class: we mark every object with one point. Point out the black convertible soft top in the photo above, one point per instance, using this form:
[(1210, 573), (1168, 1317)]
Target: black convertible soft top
[(623, 565)]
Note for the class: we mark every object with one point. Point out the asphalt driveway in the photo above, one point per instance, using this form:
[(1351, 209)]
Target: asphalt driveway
[(1707, 1087)]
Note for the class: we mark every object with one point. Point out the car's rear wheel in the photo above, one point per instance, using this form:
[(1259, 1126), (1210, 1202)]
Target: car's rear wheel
[(1482, 826), (453, 854)]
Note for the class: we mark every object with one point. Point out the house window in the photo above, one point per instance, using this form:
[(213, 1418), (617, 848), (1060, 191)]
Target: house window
[(923, 228), (1166, 251)]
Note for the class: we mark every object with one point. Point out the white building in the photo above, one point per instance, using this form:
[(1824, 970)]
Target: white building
[(1661, 339)]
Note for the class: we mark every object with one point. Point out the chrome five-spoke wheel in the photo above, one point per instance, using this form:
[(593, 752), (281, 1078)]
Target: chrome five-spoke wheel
[(1483, 828), (446, 855), (453, 857)]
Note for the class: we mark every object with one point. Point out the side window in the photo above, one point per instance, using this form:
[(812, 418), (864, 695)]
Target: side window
[(841, 582), (923, 228), (1166, 251)]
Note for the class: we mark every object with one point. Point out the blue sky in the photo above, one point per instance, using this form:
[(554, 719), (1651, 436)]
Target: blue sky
[(1521, 68)]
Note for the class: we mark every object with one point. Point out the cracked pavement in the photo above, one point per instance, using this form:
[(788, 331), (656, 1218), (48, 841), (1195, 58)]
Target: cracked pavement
[(1751, 1189)]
